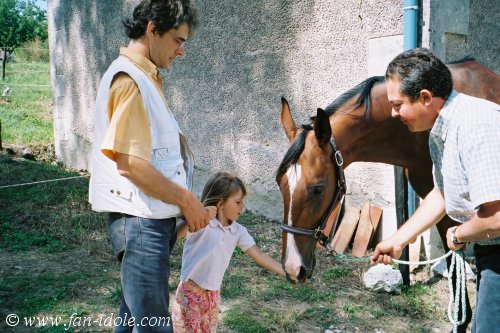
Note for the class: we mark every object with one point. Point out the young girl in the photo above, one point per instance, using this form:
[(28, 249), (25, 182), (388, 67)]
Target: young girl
[(207, 253)]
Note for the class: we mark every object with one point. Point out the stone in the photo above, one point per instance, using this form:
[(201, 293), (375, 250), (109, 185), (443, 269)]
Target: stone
[(383, 278)]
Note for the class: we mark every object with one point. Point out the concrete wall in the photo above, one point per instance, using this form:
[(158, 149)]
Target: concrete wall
[(226, 91)]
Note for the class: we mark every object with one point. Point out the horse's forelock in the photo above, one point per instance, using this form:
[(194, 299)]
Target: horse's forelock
[(293, 154)]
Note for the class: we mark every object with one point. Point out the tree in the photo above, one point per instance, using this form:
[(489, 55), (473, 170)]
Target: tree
[(21, 21)]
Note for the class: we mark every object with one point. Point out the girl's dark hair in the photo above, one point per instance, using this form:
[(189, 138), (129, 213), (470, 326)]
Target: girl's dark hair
[(166, 14), (419, 69), (220, 187)]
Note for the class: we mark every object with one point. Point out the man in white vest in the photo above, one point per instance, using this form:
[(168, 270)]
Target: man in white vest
[(141, 164)]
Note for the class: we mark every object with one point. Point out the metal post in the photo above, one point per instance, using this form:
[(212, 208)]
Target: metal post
[(4, 61)]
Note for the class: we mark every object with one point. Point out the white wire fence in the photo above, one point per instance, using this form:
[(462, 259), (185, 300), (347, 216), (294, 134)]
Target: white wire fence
[(22, 55)]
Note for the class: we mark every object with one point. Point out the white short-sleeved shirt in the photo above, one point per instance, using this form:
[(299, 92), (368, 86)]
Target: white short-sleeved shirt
[(464, 144), (208, 251)]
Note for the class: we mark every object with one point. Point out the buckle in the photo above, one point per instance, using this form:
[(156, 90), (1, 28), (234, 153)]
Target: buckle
[(338, 158)]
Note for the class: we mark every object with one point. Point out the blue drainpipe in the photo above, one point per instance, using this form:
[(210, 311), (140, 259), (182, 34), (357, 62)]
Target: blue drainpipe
[(410, 18)]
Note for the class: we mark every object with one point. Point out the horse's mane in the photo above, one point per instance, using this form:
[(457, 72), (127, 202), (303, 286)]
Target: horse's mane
[(363, 90), (294, 152), (459, 61)]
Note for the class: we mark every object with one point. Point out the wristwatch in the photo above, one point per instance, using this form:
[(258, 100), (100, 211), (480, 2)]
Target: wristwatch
[(454, 237)]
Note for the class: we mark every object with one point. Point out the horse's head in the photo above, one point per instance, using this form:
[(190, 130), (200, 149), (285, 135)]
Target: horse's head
[(308, 182)]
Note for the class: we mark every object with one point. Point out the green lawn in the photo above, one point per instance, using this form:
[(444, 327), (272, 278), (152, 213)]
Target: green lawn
[(26, 113)]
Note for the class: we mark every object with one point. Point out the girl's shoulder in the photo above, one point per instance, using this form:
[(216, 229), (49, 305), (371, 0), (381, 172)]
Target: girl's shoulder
[(240, 229)]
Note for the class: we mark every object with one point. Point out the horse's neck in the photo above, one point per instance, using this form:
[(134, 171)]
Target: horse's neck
[(376, 137)]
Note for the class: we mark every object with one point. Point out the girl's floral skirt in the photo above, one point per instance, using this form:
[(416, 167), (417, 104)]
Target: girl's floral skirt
[(195, 310)]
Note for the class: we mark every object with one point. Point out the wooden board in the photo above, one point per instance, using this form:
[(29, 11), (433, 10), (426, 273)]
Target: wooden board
[(332, 222), (375, 216), (415, 249), (346, 229), (367, 226), (363, 233)]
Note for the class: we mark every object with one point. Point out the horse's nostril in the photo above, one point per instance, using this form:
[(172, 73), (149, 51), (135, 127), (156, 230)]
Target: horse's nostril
[(302, 274)]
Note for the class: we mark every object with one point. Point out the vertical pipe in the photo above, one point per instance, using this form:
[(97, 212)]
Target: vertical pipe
[(410, 17), (405, 196)]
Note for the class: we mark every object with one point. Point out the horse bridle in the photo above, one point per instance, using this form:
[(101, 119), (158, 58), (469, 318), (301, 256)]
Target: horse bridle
[(318, 233)]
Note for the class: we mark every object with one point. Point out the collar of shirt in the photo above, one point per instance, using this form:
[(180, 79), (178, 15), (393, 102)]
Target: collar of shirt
[(142, 62), (440, 128), (215, 223)]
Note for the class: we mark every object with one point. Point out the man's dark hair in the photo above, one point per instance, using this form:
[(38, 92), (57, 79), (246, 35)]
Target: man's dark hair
[(419, 69), (166, 14)]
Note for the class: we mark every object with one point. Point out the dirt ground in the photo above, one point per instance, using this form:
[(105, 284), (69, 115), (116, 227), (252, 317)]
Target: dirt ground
[(101, 274), (88, 279)]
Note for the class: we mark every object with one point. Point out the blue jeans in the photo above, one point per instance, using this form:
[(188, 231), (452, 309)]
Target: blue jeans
[(487, 316), (143, 247)]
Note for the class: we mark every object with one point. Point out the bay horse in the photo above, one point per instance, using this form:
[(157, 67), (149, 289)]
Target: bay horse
[(355, 127)]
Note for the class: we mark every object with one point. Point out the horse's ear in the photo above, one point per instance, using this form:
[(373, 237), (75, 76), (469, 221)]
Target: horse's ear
[(287, 120), (322, 127)]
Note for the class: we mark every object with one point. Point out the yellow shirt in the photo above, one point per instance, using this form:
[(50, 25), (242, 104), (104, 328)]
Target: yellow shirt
[(129, 131)]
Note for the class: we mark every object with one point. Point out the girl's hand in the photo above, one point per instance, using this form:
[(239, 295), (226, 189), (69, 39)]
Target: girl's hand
[(212, 211)]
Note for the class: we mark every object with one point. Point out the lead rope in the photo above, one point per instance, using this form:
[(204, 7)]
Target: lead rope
[(457, 264)]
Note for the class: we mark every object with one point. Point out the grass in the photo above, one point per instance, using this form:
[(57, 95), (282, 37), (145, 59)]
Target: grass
[(26, 114), (55, 261)]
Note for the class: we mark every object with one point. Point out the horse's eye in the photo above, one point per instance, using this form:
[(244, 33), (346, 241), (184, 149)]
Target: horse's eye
[(318, 189)]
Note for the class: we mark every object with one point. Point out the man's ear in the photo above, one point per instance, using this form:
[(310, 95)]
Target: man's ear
[(151, 28), (426, 96)]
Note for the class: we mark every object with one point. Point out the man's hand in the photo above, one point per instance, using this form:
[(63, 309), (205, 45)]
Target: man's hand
[(196, 215), (386, 250)]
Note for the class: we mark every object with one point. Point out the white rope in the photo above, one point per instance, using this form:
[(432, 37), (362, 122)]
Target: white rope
[(458, 265), (426, 262), (42, 182), (28, 85)]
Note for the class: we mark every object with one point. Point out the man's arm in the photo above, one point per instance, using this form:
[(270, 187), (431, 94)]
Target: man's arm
[(484, 225), (143, 175), (430, 212)]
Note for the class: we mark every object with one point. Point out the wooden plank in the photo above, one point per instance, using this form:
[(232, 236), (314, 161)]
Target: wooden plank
[(332, 222), (375, 216), (346, 229), (415, 250), (363, 233)]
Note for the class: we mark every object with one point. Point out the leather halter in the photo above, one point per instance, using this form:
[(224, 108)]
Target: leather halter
[(318, 233)]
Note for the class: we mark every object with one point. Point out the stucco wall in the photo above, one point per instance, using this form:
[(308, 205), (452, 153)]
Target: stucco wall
[(226, 91)]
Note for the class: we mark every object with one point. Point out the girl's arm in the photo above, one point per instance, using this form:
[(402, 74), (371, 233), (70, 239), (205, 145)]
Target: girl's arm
[(182, 228), (265, 260)]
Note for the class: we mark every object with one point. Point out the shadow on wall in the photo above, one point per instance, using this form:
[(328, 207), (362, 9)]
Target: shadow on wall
[(226, 94), (85, 39)]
